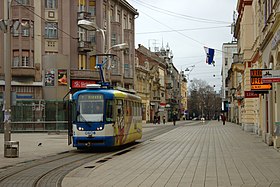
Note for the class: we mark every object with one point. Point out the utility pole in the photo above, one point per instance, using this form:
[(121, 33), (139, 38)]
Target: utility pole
[(7, 68)]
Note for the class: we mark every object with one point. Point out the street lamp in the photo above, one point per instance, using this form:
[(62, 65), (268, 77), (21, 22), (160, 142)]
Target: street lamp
[(189, 69), (91, 26), (6, 28)]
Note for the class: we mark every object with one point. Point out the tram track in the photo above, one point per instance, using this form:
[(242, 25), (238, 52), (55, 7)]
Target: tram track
[(51, 170)]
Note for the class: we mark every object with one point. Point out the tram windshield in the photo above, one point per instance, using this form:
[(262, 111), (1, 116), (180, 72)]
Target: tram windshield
[(90, 108)]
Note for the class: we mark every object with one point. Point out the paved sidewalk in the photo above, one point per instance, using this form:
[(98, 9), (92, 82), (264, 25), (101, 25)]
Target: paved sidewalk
[(51, 144), (208, 155), (29, 150)]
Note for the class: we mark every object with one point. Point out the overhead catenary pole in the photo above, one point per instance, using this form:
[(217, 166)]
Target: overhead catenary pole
[(7, 68)]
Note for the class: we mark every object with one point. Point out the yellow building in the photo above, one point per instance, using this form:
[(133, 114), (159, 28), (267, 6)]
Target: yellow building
[(258, 33)]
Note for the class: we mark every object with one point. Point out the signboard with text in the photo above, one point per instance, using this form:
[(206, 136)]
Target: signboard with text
[(257, 83), (251, 94), (270, 76), (81, 83)]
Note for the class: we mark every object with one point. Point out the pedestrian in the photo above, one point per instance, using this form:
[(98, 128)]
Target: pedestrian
[(174, 117), (223, 119), (155, 120), (158, 120), (163, 119)]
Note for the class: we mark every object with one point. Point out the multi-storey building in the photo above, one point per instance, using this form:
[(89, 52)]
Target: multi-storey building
[(228, 83), (156, 83), (257, 30), (52, 55)]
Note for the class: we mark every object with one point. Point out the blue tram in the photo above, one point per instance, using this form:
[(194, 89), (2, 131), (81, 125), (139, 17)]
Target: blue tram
[(104, 117)]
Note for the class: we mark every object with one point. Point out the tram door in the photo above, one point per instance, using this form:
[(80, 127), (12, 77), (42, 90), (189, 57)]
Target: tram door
[(71, 112), (119, 122)]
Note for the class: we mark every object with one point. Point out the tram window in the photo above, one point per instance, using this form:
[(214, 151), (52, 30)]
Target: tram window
[(119, 107), (109, 111)]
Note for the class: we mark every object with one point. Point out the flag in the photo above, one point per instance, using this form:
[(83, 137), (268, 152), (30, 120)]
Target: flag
[(210, 55)]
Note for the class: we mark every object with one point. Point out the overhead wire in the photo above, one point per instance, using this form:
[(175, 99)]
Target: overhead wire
[(168, 12), (201, 28)]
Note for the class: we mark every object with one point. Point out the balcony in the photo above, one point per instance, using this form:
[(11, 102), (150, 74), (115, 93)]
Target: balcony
[(116, 77), (84, 15), (156, 99), (23, 71), (128, 80), (85, 74), (85, 46)]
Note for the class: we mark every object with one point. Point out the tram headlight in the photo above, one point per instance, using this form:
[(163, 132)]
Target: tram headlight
[(80, 128), (99, 128)]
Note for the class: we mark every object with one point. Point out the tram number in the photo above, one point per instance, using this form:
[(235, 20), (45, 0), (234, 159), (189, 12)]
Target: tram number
[(89, 132)]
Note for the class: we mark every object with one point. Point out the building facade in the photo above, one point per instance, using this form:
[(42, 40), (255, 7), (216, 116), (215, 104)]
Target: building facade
[(51, 55), (257, 31)]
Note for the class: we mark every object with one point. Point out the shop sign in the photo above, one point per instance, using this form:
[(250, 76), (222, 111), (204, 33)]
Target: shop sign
[(81, 83), (271, 76), (257, 83), (250, 94)]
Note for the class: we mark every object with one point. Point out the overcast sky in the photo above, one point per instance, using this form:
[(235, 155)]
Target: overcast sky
[(187, 26)]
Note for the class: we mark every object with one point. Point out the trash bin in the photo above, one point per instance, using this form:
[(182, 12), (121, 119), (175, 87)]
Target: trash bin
[(11, 149)]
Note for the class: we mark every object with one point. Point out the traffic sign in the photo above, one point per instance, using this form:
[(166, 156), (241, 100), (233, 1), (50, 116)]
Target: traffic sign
[(261, 87)]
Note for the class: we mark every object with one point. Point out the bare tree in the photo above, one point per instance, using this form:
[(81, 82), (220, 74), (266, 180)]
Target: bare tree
[(203, 101)]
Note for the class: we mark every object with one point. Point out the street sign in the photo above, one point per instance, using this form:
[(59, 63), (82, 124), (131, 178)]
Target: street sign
[(270, 76), (257, 83)]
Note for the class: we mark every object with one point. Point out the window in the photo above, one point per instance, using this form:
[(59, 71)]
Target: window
[(25, 29), (81, 5), (23, 2), (109, 110), (112, 14), (125, 22), (118, 16), (268, 6), (91, 7), (114, 39), (91, 36), (82, 34), (226, 61), (51, 30), (15, 58), (90, 107), (130, 23), (25, 60), (51, 4)]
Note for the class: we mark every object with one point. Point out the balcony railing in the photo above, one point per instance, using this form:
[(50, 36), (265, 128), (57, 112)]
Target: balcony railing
[(85, 46), (84, 15)]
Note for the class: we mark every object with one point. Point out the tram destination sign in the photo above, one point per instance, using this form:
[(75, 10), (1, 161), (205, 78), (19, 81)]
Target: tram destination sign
[(257, 83)]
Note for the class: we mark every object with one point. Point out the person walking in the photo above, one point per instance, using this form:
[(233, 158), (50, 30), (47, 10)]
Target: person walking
[(163, 120), (174, 117), (223, 119), (155, 120)]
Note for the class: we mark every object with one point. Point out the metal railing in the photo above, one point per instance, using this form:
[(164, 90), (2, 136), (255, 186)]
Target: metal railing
[(37, 116)]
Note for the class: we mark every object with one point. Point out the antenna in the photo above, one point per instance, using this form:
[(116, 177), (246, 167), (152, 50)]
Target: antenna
[(154, 45)]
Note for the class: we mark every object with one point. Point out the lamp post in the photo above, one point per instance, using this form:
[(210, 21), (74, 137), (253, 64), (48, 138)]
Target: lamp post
[(189, 69), (6, 27), (91, 26)]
